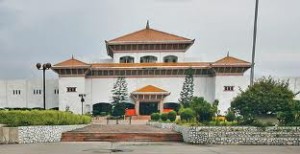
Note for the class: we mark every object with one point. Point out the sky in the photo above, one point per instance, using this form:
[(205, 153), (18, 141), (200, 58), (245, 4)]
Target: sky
[(43, 31)]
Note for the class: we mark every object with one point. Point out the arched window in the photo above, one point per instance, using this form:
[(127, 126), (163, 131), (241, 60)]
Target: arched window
[(148, 59), (127, 59), (170, 59)]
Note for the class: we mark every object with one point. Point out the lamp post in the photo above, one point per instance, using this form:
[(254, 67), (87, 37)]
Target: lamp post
[(82, 100), (254, 44), (44, 67)]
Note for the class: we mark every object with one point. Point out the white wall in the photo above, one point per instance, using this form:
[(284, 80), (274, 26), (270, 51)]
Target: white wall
[(71, 99), (27, 98), (3, 94), (160, 56), (225, 97), (99, 89)]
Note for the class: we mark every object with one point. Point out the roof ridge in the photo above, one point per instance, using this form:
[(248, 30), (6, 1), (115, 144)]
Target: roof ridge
[(227, 58), (147, 30), (71, 62), (150, 88)]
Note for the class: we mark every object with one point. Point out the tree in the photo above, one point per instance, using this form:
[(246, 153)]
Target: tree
[(203, 109), (291, 116), (266, 97), (120, 94), (187, 89)]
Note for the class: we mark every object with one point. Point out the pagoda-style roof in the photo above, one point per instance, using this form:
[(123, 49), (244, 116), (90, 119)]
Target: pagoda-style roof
[(148, 35), (148, 39), (228, 60), (150, 89), (71, 63)]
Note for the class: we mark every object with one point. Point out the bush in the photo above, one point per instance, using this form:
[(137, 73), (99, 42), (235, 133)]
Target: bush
[(118, 110), (155, 116), (186, 114), (164, 116), (37, 117), (172, 116), (230, 116)]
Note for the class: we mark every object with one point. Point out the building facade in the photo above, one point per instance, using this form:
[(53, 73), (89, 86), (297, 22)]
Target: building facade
[(153, 64)]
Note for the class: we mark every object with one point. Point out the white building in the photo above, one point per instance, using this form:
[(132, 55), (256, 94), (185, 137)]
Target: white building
[(153, 63)]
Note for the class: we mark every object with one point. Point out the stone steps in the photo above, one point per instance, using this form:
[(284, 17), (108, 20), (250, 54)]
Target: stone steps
[(120, 137)]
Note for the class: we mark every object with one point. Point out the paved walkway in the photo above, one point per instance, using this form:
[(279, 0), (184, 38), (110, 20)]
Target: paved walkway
[(142, 148), (97, 128)]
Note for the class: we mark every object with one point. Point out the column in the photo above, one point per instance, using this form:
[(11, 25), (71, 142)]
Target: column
[(161, 106), (137, 107)]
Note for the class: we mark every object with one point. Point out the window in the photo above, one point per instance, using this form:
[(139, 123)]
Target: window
[(56, 91), (170, 59), (127, 59), (16, 92), (37, 91), (148, 59), (71, 89), (228, 88)]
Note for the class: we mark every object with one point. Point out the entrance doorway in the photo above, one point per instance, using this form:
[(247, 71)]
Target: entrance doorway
[(147, 108)]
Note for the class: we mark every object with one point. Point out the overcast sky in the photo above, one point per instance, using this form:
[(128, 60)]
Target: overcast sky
[(34, 31)]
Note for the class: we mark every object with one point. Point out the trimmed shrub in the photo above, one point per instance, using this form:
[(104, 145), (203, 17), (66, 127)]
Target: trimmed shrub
[(230, 116), (41, 117), (172, 116), (186, 114), (155, 116), (164, 116)]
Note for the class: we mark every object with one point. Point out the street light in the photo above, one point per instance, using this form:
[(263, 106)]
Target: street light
[(82, 100), (43, 67), (254, 44)]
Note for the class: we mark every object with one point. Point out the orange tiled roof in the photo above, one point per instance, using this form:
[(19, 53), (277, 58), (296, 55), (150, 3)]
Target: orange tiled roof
[(128, 65), (71, 62), (148, 34), (230, 60), (150, 88)]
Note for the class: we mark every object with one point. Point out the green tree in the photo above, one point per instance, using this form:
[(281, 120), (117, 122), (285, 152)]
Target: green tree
[(187, 89), (120, 95), (266, 97), (203, 109), (291, 116)]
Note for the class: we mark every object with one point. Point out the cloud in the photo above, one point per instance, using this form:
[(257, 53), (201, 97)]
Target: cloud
[(34, 31)]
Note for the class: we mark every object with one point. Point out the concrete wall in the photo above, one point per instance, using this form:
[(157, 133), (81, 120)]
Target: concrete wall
[(71, 99), (99, 89), (27, 98), (225, 97)]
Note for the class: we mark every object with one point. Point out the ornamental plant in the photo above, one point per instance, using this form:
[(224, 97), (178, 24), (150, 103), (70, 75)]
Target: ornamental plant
[(186, 114), (16, 118), (172, 116), (155, 116), (164, 116)]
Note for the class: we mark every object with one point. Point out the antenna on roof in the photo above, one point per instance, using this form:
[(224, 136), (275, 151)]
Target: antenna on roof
[(147, 25)]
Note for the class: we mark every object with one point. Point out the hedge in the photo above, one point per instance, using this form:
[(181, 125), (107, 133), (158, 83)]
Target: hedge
[(41, 117), (155, 116)]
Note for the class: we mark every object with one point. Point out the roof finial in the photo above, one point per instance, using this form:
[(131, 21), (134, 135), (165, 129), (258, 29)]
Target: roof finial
[(147, 25), (228, 53), (72, 56)]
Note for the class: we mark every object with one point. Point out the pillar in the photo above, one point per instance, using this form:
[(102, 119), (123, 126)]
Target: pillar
[(137, 107), (161, 106)]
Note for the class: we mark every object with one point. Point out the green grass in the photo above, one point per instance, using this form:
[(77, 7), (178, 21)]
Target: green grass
[(15, 118)]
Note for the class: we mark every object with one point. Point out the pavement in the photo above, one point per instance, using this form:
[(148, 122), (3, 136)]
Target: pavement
[(135, 128), (142, 148)]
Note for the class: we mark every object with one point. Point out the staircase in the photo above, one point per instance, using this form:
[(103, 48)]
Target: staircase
[(121, 133)]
